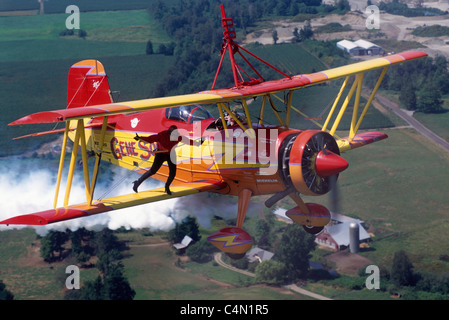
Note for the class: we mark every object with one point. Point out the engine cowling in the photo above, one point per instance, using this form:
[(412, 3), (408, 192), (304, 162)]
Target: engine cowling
[(308, 160)]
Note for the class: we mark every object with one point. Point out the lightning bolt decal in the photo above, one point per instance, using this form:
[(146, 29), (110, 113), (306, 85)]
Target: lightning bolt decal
[(229, 240)]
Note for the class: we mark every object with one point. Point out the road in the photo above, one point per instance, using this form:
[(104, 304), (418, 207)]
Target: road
[(418, 126), (291, 287)]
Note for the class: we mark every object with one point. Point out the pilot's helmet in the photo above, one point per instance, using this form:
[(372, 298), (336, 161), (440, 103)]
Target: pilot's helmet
[(172, 128)]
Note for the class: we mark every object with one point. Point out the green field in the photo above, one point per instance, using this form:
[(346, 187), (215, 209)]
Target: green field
[(399, 187), (151, 272), (34, 62)]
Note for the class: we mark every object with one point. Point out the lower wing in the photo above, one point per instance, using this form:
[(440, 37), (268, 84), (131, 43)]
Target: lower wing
[(360, 140), (114, 203)]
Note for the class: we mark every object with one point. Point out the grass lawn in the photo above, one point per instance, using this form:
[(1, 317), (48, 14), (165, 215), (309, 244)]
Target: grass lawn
[(152, 273), (26, 274), (438, 123)]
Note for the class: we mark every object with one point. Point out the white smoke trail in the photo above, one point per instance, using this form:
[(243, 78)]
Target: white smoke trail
[(31, 188)]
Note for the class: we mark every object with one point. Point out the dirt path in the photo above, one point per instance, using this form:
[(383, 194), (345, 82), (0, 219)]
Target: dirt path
[(292, 287)]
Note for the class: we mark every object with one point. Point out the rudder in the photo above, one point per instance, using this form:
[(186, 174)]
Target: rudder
[(87, 85)]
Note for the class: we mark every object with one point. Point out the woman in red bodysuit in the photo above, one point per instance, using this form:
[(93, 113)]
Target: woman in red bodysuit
[(167, 143)]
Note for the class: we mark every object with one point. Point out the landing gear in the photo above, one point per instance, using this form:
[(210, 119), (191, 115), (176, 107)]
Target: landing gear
[(313, 230)]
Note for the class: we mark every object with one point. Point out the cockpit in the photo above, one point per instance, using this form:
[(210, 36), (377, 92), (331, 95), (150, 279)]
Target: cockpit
[(188, 114)]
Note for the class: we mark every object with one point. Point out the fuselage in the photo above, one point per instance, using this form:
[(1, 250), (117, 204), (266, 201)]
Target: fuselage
[(242, 160)]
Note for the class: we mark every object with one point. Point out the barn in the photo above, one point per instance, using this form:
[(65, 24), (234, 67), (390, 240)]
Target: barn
[(336, 236), (360, 47), (350, 47), (370, 48)]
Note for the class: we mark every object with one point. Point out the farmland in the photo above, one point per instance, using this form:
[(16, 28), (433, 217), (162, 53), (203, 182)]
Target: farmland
[(34, 62), (398, 186)]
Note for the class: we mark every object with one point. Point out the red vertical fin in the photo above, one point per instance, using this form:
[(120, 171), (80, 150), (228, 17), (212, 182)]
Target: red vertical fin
[(87, 85)]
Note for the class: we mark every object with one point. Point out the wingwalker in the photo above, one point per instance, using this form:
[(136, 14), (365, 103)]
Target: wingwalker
[(240, 157)]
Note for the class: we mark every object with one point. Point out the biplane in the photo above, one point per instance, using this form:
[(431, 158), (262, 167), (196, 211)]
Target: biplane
[(243, 158)]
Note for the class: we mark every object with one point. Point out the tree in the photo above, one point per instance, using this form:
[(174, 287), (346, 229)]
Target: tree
[(402, 270), (296, 35), (271, 272), (81, 249), (343, 5), (116, 286), (82, 33), (170, 49), (5, 294), (294, 251), (51, 243), (429, 99), (407, 96), (149, 48), (262, 228), (274, 34), (200, 251), (162, 49), (188, 227), (306, 31)]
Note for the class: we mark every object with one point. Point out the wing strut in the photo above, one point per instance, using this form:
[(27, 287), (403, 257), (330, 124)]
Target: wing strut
[(357, 89), (98, 158), (79, 140), (61, 163)]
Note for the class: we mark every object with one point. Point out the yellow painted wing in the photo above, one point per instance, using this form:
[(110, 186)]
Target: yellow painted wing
[(220, 95), (114, 203)]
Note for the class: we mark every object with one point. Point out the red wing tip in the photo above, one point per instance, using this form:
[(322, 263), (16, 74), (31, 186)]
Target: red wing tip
[(27, 219)]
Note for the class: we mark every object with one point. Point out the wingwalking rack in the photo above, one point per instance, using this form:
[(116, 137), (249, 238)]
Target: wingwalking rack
[(233, 48)]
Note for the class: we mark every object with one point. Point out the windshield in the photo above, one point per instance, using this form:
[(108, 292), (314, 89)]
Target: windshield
[(188, 114)]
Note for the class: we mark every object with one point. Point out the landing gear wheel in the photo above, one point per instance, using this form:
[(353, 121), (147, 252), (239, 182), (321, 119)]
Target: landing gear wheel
[(235, 256), (312, 229)]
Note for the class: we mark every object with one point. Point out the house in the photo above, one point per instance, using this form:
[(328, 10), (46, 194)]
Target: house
[(184, 243), (280, 215), (258, 254)]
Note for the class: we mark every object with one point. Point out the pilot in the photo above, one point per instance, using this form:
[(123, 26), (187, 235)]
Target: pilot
[(167, 142), (230, 121)]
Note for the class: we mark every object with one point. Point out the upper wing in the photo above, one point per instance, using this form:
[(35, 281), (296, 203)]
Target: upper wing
[(221, 95), (114, 203)]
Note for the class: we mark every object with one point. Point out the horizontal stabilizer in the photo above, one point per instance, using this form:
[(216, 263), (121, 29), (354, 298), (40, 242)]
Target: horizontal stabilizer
[(114, 203), (360, 140)]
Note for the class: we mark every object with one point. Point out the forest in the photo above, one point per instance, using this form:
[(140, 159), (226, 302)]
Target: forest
[(195, 28), (397, 8), (421, 84)]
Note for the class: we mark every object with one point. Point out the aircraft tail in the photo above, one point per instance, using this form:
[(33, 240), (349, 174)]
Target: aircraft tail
[(87, 85)]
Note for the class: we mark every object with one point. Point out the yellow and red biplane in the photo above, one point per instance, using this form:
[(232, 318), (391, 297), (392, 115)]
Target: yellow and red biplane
[(243, 159)]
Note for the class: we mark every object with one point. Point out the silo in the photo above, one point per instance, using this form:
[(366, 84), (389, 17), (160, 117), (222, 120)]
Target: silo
[(354, 237)]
